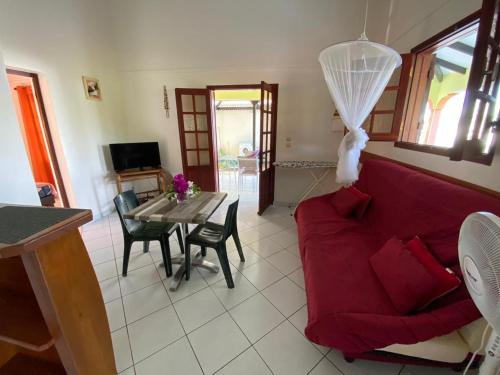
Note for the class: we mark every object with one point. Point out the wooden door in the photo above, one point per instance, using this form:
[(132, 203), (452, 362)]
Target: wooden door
[(196, 137), (267, 155)]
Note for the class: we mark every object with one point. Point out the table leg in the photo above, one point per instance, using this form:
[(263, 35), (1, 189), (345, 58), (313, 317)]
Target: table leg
[(196, 261)]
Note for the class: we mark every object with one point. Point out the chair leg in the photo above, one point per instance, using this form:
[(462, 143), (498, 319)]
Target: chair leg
[(187, 260), (165, 253), (180, 239), (224, 263), (127, 246), (236, 239), (203, 251), (146, 246)]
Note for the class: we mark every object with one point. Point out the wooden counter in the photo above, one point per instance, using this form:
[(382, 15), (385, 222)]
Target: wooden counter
[(52, 315)]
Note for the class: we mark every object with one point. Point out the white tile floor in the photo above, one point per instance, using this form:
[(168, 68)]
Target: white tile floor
[(206, 328)]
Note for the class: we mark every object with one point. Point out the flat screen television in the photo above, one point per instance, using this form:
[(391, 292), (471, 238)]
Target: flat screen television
[(135, 155)]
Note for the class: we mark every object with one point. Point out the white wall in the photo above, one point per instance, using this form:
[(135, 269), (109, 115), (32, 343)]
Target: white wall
[(235, 127), (304, 113), (199, 43), (17, 184), (135, 47), (63, 40), (412, 23)]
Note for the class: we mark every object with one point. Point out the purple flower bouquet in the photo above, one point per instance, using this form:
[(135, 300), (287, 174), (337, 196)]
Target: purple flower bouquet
[(181, 188)]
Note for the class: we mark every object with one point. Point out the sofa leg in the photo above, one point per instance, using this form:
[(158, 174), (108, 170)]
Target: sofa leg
[(348, 359), (460, 367)]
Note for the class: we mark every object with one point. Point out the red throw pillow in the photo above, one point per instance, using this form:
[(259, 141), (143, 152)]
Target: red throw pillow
[(405, 280), (446, 279), (350, 200)]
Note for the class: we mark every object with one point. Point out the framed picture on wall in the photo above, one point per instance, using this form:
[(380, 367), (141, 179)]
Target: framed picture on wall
[(92, 88)]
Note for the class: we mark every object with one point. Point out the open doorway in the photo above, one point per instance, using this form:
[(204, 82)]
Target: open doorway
[(32, 118), (237, 124), (247, 160)]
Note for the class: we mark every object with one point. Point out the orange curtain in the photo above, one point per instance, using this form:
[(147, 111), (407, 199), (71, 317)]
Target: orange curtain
[(37, 151)]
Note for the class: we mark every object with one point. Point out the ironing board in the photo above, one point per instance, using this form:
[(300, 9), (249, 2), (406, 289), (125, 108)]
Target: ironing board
[(311, 166)]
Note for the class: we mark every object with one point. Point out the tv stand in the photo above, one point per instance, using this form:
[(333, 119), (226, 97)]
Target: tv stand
[(141, 174)]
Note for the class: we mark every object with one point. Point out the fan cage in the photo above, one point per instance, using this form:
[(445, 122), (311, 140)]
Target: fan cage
[(480, 240)]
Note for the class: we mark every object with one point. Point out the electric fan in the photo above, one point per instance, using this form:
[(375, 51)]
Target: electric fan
[(479, 253)]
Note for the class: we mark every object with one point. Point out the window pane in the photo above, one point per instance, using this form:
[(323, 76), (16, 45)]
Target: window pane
[(492, 86), (475, 114), (269, 142), (382, 123), (204, 158), (192, 158), (440, 92), (435, 131), (200, 103), (486, 77), (387, 101), (190, 140), (202, 140), (394, 81), (187, 103), (484, 119), (488, 141), (201, 122), (189, 123)]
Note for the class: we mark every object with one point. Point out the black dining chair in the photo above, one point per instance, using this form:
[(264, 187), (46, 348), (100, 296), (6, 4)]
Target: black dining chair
[(134, 230), (214, 236)]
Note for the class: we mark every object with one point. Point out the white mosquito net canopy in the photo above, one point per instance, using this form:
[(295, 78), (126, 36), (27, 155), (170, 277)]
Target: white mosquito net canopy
[(356, 73)]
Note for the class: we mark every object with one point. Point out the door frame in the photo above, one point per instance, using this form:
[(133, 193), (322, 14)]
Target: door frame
[(46, 128), (250, 86), (211, 90)]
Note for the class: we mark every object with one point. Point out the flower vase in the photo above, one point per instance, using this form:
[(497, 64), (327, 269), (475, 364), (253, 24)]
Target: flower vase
[(181, 198)]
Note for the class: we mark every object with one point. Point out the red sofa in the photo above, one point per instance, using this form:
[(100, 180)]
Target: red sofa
[(348, 308)]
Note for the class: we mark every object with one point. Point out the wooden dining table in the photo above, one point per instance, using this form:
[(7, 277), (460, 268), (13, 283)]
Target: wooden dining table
[(194, 210)]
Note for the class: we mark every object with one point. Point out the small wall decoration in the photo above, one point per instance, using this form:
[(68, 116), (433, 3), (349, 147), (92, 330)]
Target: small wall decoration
[(337, 124), (92, 88), (166, 106)]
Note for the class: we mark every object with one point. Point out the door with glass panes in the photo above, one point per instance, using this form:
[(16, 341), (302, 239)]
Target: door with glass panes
[(196, 137), (267, 155)]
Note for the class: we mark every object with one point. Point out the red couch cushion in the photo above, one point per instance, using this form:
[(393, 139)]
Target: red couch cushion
[(406, 280), (348, 201), (446, 281), (406, 203), (348, 307)]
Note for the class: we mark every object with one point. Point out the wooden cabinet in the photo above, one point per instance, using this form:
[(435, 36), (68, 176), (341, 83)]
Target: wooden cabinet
[(132, 175), (52, 315)]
